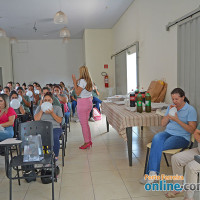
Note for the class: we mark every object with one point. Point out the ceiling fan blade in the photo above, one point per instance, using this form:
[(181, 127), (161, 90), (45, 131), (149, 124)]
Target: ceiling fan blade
[(45, 20)]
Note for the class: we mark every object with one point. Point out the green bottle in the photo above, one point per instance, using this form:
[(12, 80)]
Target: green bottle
[(148, 102), (139, 103), (136, 92)]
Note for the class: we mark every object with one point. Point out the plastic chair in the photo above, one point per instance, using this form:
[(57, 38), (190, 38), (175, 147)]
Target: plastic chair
[(31, 109), (64, 125), (63, 138), (45, 129), (169, 151)]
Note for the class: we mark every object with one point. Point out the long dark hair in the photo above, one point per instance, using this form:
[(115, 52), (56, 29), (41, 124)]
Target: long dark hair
[(6, 100), (49, 94), (11, 93), (181, 94)]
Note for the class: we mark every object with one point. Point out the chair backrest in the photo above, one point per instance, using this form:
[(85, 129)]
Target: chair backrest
[(192, 140), (31, 109), (44, 128), (63, 110), (16, 127)]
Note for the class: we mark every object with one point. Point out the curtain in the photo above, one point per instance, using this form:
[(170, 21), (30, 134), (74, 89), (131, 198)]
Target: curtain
[(189, 61), (121, 73)]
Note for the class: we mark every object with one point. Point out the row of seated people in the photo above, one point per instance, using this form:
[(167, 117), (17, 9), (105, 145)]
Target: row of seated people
[(61, 92), (59, 97), (8, 114)]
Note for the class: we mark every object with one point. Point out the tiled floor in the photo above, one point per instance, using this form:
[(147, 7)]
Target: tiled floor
[(99, 173)]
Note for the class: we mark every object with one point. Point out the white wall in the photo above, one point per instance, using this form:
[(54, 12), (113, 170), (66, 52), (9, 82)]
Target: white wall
[(47, 61), (98, 51), (145, 21), (5, 60)]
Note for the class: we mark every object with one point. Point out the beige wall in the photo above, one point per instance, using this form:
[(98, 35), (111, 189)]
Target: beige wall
[(5, 60), (47, 61), (98, 51), (145, 21)]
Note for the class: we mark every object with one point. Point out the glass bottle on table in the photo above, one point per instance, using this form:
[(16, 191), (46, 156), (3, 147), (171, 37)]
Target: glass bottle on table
[(139, 103), (136, 92), (148, 102)]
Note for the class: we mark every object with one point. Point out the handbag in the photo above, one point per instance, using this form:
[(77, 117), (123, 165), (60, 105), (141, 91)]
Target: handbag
[(157, 90), (96, 114)]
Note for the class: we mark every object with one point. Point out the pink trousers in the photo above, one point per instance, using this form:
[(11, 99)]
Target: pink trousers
[(84, 106)]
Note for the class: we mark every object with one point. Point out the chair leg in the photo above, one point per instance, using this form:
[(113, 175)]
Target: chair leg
[(10, 174), (63, 150), (65, 135), (147, 158), (11, 153), (17, 167), (18, 176), (63, 145), (52, 174), (166, 159)]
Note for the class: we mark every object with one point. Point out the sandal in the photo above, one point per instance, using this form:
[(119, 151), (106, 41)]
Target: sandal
[(171, 194)]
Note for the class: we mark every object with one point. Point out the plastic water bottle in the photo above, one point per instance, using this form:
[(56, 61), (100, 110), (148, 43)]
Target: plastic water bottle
[(148, 102), (132, 99), (139, 103)]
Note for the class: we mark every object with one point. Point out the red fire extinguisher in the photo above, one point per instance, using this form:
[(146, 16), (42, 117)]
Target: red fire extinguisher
[(105, 79)]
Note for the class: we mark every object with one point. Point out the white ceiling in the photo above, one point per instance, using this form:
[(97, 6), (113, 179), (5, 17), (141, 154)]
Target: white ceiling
[(17, 17)]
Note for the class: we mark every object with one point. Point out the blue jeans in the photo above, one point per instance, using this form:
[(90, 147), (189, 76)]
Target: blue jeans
[(163, 141), (67, 114), (74, 103), (96, 101), (56, 136), (7, 133), (69, 106)]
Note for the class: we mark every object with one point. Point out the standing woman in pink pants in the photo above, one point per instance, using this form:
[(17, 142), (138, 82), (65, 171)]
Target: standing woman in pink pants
[(83, 89)]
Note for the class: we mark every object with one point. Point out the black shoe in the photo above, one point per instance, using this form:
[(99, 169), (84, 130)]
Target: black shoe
[(29, 176), (57, 170)]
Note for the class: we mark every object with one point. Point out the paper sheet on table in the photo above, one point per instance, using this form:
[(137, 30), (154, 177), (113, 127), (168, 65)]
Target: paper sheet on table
[(119, 102), (107, 101), (11, 141), (161, 112), (117, 96), (132, 109), (158, 105)]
